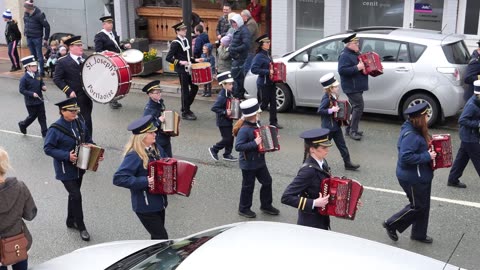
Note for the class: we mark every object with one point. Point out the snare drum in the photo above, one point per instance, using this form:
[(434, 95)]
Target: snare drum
[(201, 73), (106, 77), (134, 58)]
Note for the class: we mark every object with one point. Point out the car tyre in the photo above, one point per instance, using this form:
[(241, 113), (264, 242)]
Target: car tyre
[(284, 97), (433, 116)]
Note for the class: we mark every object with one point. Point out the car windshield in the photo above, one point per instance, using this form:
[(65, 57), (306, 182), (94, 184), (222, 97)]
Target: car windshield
[(456, 53), (172, 255)]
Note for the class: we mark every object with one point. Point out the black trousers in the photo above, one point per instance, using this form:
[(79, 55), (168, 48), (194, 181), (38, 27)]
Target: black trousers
[(226, 141), (415, 213), (86, 107), (268, 96), (466, 152), (188, 89), (356, 100), (248, 186), (154, 223), (34, 112), (238, 78), (75, 209), (339, 140)]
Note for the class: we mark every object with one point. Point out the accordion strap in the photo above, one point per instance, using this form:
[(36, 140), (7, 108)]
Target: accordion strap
[(316, 167)]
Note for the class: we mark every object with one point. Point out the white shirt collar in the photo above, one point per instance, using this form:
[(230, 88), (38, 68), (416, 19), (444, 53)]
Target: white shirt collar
[(31, 74)]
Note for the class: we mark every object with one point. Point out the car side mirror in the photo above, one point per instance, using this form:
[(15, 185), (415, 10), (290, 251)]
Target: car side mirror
[(304, 60)]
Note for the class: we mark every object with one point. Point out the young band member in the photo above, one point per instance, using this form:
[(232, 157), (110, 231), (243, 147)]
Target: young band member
[(133, 174), (266, 88), (252, 162), (326, 109), (304, 191), (61, 142), (155, 107), (224, 122), (470, 137), (415, 174), (32, 86), (180, 56)]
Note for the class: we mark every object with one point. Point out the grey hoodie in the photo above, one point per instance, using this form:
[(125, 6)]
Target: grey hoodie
[(16, 204)]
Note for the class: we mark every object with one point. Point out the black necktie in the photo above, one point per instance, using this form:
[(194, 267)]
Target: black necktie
[(79, 59)]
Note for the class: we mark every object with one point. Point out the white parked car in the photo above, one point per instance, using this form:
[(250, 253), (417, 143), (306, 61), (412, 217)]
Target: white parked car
[(247, 245), (419, 66)]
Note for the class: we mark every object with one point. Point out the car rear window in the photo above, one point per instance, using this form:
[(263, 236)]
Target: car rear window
[(456, 53)]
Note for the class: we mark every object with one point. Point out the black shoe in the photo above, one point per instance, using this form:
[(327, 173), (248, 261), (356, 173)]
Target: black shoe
[(85, 235), (229, 158), (457, 185), (72, 225), (360, 133), (203, 94), (426, 240), (22, 127), (351, 166), (248, 213), (187, 116), (392, 233), (115, 105), (270, 210), (207, 95), (42, 74), (355, 136), (213, 153), (278, 126)]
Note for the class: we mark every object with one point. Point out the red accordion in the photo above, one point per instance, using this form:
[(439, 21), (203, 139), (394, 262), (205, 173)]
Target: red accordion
[(344, 196), (233, 104), (172, 176), (345, 111), (442, 145), (279, 72), (373, 66), (269, 136)]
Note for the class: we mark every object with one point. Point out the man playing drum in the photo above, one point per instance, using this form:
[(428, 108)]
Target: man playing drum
[(180, 56), (108, 40)]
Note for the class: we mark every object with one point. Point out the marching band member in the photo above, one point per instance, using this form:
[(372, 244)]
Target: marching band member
[(68, 78), (415, 174), (179, 56), (252, 162), (326, 110), (304, 191), (108, 40), (63, 137), (133, 174), (155, 107)]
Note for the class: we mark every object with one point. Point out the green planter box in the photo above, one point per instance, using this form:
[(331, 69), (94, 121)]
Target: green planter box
[(151, 66)]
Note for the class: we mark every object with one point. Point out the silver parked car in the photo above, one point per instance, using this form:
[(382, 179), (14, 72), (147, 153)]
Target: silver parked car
[(419, 66), (247, 245)]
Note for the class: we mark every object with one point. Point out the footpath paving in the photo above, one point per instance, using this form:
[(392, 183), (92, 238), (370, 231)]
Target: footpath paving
[(168, 82)]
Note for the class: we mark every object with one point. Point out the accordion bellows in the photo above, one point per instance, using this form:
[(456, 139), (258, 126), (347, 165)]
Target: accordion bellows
[(171, 123), (172, 176), (344, 196)]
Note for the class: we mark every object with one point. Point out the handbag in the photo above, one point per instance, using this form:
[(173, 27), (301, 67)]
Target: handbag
[(13, 249)]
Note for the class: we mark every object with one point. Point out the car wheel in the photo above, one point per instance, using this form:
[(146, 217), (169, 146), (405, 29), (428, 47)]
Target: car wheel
[(434, 108), (284, 97)]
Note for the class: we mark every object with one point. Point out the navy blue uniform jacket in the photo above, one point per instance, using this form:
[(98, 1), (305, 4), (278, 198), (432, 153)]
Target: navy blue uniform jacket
[(470, 121), (220, 109), (327, 119), (28, 86), (67, 76), (104, 43), (156, 109), (132, 175), (413, 165), (250, 158), (58, 145), (351, 79), (261, 67), (303, 190)]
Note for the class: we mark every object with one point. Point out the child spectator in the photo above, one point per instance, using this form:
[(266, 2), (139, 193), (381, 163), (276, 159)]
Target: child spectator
[(207, 57), (51, 55), (13, 37), (31, 86), (224, 122), (200, 40), (62, 51), (224, 62)]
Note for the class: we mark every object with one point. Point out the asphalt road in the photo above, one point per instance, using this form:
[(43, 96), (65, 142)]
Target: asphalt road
[(214, 199)]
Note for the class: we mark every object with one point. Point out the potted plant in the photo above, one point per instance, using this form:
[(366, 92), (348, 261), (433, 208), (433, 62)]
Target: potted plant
[(151, 62)]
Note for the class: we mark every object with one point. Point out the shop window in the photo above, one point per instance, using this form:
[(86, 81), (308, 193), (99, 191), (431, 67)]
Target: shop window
[(207, 4), (471, 17), (376, 13), (428, 14), (309, 21)]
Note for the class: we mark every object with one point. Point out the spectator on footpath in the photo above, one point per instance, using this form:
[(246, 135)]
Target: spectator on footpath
[(239, 49), (253, 29), (51, 55), (13, 37), (256, 10), (208, 58), (16, 204), (224, 61), (200, 40), (222, 24), (37, 31)]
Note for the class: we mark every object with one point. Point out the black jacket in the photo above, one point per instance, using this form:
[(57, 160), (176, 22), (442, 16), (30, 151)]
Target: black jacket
[(67, 76), (28, 86), (35, 23), (177, 54), (11, 32), (105, 43)]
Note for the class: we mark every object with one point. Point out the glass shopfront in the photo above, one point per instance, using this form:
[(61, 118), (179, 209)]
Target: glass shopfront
[(309, 22), (471, 17), (376, 13), (428, 14), (207, 4)]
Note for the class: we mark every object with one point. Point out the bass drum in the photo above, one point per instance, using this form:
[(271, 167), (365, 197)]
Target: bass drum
[(106, 77), (134, 58)]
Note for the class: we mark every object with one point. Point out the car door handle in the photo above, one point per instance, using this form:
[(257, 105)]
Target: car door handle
[(402, 69)]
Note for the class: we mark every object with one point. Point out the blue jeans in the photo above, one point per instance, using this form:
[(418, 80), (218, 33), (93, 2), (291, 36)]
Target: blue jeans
[(23, 265), (35, 47)]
